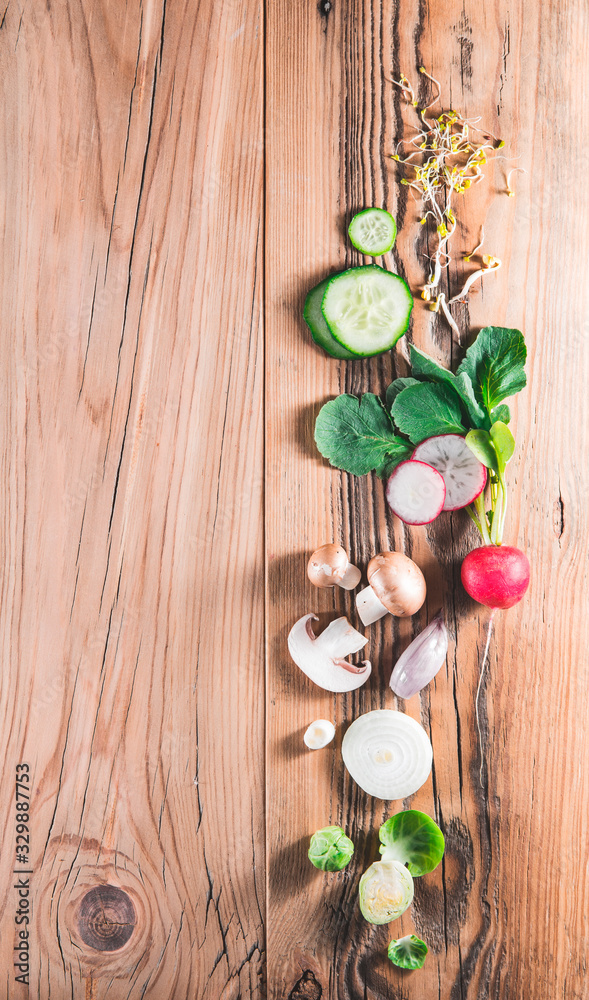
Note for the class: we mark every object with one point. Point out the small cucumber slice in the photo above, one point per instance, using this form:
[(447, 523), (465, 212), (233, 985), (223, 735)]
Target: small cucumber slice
[(373, 231), (315, 320), (367, 309)]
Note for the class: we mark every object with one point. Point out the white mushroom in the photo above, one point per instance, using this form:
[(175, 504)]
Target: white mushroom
[(329, 566), (319, 734), (323, 658)]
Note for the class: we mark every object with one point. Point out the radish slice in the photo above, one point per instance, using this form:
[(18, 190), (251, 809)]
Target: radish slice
[(416, 492), (463, 474), (387, 753)]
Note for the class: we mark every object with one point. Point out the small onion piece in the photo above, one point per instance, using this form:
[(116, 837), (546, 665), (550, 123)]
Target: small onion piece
[(387, 753), (319, 734), (422, 659)]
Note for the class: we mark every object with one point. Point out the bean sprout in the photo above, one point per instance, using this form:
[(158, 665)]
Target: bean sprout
[(444, 158)]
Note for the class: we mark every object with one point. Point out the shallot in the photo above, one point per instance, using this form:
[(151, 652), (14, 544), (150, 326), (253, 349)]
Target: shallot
[(422, 659)]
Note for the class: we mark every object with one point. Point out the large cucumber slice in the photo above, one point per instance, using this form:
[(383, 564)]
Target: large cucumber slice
[(373, 231), (315, 320), (367, 309)]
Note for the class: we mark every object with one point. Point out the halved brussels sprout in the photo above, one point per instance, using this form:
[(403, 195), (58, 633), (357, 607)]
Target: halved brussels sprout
[(410, 838), (386, 890)]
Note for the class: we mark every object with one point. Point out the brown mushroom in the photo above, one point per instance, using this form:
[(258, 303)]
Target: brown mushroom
[(329, 566), (396, 584)]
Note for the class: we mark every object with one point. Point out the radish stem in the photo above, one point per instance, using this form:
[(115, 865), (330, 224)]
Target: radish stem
[(496, 524), (474, 518), (484, 524), (503, 511)]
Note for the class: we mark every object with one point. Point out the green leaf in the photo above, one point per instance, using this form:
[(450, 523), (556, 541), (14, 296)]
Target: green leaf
[(357, 434), (403, 451), (482, 446), (501, 413), (420, 411), (504, 443), (495, 365), (408, 952), (396, 387), (412, 838), (424, 366)]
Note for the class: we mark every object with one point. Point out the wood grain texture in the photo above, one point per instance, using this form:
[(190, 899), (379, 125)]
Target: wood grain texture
[(132, 449), (167, 170), (504, 913)]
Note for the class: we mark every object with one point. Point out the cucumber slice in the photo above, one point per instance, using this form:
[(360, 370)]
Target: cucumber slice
[(315, 320), (367, 309), (373, 231)]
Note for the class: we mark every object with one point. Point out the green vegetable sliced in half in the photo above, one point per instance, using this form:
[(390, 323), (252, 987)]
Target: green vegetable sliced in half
[(330, 850), (408, 952), (315, 320), (385, 892), (412, 838), (425, 410), (367, 309), (373, 231), (357, 435), (412, 844)]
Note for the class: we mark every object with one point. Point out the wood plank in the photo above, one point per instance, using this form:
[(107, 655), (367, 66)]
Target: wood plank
[(132, 532), (504, 915)]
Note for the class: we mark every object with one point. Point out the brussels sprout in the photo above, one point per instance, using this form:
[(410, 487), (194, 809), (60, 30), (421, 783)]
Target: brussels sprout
[(410, 838), (330, 849), (408, 952), (386, 890), (414, 839)]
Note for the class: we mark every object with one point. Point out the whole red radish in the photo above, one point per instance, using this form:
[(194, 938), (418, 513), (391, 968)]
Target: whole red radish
[(496, 575)]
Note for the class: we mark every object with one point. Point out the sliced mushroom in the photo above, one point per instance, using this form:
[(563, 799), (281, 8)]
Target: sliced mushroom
[(396, 585), (323, 658), (329, 566)]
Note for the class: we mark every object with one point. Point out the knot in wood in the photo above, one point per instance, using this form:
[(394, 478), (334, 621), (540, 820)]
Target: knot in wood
[(106, 918)]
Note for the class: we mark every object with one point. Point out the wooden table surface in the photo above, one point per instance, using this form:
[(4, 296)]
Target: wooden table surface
[(175, 176)]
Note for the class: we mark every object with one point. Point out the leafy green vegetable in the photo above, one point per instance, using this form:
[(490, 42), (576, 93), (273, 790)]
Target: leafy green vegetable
[(504, 443), (330, 849), (425, 367), (390, 462), (420, 411), (502, 413), (358, 435), (494, 449), (364, 435), (396, 387), (412, 838), (408, 952), (481, 445), (495, 365)]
